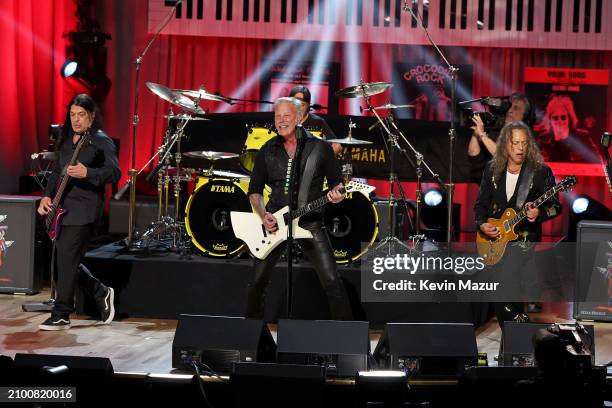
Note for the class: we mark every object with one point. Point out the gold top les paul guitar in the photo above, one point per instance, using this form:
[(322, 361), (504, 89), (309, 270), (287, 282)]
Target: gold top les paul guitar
[(492, 249)]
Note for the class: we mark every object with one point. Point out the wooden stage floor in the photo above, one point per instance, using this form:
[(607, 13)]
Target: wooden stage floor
[(137, 345)]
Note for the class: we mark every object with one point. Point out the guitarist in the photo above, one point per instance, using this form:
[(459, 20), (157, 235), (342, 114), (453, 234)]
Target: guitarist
[(84, 200), (273, 166), (515, 177)]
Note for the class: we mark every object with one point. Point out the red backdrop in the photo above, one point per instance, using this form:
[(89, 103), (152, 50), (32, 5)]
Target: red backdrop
[(33, 94)]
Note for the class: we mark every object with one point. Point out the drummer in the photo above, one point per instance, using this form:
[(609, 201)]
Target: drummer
[(311, 121)]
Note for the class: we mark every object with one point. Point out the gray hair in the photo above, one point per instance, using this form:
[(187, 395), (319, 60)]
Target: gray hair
[(288, 99)]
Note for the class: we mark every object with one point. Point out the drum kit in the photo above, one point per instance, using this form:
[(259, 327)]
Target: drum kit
[(206, 222)]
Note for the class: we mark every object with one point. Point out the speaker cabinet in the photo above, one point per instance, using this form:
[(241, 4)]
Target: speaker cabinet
[(593, 279), (219, 341), (21, 270), (427, 349), (342, 347), (517, 347)]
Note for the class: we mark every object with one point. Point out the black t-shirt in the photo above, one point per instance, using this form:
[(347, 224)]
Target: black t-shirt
[(315, 122), (271, 168)]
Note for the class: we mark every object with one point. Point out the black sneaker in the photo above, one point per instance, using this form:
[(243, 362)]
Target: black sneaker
[(106, 306), (55, 323)]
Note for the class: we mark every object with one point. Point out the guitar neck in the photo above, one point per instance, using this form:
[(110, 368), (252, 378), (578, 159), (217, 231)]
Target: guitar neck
[(313, 205), (66, 178), (521, 215)]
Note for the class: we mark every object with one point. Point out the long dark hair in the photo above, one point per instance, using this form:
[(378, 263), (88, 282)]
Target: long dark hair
[(500, 160), (86, 102)]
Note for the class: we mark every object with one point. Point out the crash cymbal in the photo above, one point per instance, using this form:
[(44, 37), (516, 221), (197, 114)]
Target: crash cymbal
[(365, 89), (202, 94), (349, 141), (182, 116), (210, 155), (176, 99)]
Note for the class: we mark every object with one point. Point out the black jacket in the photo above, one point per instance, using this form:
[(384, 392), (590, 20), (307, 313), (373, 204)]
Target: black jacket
[(271, 165), (492, 200), (84, 198)]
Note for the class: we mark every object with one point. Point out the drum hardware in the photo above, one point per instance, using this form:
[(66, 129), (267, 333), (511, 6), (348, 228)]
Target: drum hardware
[(364, 90), (202, 94), (257, 136)]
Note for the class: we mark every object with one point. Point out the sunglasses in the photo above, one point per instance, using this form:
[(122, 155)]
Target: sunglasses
[(559, 117)]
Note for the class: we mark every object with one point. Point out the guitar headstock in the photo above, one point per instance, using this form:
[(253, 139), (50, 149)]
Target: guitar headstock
[(353, 186), (566, 184)]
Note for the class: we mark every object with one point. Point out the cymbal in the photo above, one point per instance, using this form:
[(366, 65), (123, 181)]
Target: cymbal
[(182, 116), (365, 89), (176, 99), (210, 155), (348, 141), (226, 174), (201, 94)]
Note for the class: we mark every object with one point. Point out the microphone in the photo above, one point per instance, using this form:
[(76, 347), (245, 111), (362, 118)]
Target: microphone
[(44, 155), (121, 192), (316, 106)]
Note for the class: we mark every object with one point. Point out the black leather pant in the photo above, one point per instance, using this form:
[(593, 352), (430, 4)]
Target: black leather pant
[(320, 253)]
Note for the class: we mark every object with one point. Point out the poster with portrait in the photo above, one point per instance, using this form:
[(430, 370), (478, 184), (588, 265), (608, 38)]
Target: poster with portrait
[(321, 80), (428, 87), (570, 111)]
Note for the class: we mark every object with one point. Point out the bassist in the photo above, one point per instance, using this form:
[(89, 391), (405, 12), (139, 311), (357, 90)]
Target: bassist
[(83, 199), (315, 161), (515, 178)]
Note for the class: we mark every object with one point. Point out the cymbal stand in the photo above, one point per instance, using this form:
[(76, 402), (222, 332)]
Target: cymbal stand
[(347, 169), (167, 228)]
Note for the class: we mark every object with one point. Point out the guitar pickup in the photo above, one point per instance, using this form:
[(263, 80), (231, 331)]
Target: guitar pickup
[(263, 229)]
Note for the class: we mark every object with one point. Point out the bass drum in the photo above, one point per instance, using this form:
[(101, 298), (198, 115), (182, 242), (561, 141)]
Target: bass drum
[(207, 217), (351, 223), (257, 136)]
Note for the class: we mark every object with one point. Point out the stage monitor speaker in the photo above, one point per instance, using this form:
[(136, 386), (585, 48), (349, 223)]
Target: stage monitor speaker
[(427, 349), (517, 347), (21, 270), (402, 223), (593, 260), (40, 368), (146, 213), (342, 347), (219, 341)]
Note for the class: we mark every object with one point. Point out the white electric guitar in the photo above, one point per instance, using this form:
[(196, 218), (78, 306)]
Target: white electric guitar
[(249, 228)]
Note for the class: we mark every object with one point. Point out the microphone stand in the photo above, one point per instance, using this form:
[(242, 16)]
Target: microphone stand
[(295, 166), (452, 130), (132, 173)]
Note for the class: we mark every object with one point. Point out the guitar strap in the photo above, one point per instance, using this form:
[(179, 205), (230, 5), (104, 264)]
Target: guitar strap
[(314, 155), (524, 186)]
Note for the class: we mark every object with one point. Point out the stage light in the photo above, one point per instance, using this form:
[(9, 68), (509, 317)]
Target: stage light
[(434, 214), (580, 205), (433, 197), (69, 68), (385, 387)]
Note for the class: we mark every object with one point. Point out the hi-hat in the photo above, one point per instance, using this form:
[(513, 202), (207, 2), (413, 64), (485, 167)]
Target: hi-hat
[(224, 173), (365, 89), (349, 141), (210, 155), (202, 94), (176, 99)]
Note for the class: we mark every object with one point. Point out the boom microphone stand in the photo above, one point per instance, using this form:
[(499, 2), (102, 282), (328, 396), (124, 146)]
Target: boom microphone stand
[(132, 173), (452, 131)]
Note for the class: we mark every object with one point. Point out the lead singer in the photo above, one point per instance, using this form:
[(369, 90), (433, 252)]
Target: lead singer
[(273, 166), (84, 199)]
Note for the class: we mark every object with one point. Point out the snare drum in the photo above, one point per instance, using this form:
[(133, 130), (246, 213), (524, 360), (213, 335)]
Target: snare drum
[(257, 136), (207, 213), (349, 224)]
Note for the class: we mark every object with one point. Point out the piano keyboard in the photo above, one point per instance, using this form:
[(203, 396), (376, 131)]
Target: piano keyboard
[(563, 24)]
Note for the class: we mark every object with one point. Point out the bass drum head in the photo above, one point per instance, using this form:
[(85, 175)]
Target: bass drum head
[(256, 138), (349, 224), (208, 219)]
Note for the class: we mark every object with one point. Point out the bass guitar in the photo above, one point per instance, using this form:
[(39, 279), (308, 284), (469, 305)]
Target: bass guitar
[(53, 219)]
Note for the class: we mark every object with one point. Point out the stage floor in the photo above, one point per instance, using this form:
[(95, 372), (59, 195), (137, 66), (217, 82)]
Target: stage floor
[(140, 345)]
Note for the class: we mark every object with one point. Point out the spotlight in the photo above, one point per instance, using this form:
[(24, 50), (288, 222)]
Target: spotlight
[(434, 214), (433, 197), (69, 68), (585, 207), (580, 205)]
